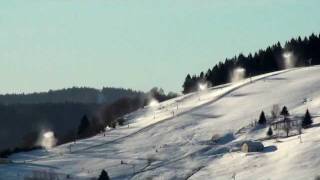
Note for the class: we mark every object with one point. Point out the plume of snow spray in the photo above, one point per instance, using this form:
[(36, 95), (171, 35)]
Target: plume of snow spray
[(202, 86), (238, 74), (48, 140), (289, 60), (153, 103)]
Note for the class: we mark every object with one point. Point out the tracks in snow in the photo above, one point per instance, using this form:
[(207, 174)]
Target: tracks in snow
[(218, 97), (228, 89)]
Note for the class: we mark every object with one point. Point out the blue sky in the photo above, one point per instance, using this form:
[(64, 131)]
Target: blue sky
[(52, 44)]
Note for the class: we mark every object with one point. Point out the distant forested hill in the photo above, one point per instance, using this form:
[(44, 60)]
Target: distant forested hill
[(24, 117), (72, 95)]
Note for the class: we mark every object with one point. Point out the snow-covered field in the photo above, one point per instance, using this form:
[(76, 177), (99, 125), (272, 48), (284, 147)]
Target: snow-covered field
[(172, 140)]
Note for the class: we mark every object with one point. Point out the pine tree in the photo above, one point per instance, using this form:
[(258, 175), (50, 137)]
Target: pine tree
[(307, 120), (104, 175), (262, 119), (187, 85), (285, 111), (270, 132), (84, 125)]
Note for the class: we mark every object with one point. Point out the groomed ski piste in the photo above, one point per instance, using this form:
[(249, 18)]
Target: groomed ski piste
[(172, 140)]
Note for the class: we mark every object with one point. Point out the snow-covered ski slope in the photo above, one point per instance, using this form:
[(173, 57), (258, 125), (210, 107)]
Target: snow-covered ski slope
[(172, 140)]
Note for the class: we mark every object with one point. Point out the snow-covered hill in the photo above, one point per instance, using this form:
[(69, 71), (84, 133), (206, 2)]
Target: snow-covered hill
[(172, 140)]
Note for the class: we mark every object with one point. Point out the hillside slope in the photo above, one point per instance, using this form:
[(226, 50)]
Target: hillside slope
[(172, 140)]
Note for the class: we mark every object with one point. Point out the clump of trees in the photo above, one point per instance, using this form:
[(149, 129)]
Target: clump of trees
[(159, 95), (285, 111), (286, 123), (109, 114), (306, 51)]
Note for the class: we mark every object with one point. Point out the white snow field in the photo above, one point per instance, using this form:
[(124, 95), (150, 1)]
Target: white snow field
[(173, 140)]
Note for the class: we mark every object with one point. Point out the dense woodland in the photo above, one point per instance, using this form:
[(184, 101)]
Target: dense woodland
[(22, 124), (74, 114), (72, 95), (306, 51)]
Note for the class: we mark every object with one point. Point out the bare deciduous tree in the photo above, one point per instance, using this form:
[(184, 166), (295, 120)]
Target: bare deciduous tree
[(275, 111), (287, 126)]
